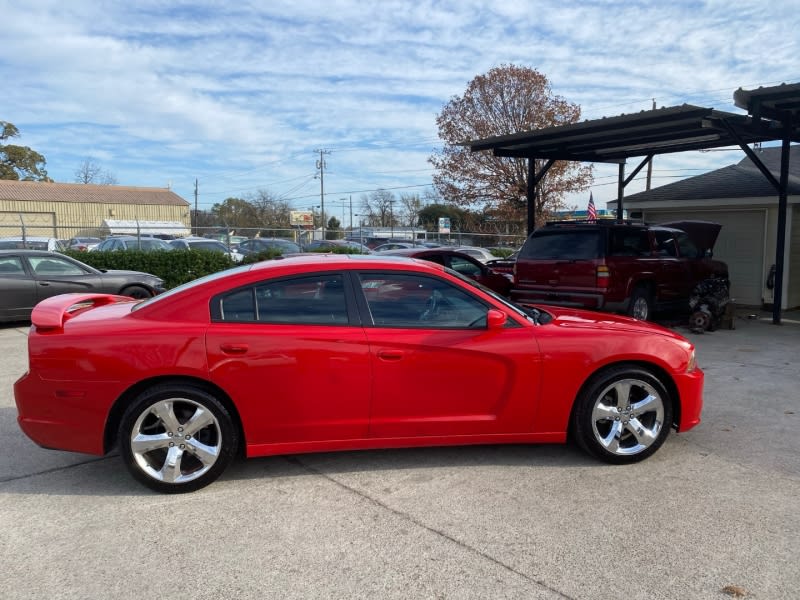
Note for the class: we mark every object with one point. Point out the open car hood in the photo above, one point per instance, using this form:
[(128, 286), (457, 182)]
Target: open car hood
[(702, 233)]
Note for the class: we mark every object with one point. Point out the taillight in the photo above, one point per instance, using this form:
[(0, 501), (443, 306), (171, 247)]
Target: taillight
[(603, 276)]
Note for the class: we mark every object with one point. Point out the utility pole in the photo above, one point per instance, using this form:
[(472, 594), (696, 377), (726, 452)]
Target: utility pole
[(391, 216), (650, 162), (194, 220), (321, 167)]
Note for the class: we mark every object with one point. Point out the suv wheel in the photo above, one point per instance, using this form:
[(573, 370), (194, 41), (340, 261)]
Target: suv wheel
[(641, 304)]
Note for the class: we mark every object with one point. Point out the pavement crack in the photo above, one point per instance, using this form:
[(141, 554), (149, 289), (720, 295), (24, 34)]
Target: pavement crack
[(55, 469), (407, 517)]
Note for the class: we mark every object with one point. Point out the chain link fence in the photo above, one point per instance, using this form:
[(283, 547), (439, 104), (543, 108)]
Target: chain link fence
[(26, 228)]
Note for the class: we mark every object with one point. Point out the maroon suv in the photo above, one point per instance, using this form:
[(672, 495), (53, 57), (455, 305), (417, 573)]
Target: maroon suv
[(623, 267)]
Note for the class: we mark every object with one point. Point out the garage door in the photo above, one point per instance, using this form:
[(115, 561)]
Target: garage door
[(740, 244)]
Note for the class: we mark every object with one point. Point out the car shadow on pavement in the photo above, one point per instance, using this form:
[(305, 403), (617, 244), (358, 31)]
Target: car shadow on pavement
[(87, 475)]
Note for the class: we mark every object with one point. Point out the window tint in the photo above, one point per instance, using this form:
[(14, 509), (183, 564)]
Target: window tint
[(47, 265), (687, 247), (665, 243), (11, 265), (319, 300), (570, 244), (628, 242), (400, 300), (463, 266)]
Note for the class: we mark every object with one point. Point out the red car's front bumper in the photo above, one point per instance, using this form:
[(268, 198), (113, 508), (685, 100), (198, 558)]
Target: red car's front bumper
[(690, 390)]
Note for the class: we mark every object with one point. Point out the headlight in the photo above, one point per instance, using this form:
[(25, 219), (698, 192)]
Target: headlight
[(692, 364)]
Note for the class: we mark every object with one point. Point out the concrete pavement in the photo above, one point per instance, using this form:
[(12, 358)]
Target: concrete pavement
[(714, 509)]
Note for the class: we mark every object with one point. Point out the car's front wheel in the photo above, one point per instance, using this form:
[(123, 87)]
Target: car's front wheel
[(138, 292), (177, 438), (622, 415)]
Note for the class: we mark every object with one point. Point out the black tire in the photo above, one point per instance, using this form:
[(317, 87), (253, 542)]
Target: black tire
[(641, 304), (186, 438), (139, 292), (622, 415)]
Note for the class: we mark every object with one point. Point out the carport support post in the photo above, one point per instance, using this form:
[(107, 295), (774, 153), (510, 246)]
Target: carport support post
[(777, 299), (532, 183), (531, 194), (620, 191)]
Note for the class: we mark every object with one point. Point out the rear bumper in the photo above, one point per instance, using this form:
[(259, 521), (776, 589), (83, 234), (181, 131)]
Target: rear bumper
[(566, 297), (59, 415)]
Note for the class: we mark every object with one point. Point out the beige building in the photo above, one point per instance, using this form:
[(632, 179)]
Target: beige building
[(65, 210)]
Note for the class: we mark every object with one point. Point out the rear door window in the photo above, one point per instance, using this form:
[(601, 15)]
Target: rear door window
[(629, 242)]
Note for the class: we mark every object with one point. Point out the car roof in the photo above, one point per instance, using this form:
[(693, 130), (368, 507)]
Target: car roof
[(29, 252), (345, 261)]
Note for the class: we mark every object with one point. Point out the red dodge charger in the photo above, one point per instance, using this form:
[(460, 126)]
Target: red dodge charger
[(334, 352)]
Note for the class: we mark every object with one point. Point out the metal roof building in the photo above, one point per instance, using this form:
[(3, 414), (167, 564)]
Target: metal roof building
[(65, 210)]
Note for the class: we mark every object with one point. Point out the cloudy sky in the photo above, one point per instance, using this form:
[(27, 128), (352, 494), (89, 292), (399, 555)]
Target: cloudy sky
[(240, 95)]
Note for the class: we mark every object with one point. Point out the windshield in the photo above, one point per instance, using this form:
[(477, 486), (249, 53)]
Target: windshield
[(534, 315)]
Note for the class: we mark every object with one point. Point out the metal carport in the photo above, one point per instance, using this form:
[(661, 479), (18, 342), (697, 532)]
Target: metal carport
[(773, 114)]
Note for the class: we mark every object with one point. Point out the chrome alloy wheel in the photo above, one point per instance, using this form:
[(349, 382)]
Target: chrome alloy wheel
[(627, 417), (176, 440)]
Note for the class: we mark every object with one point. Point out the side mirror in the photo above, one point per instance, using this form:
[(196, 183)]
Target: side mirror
[(496, 319)]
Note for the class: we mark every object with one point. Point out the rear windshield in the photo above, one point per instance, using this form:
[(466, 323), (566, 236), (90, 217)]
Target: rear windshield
[(571, 244)]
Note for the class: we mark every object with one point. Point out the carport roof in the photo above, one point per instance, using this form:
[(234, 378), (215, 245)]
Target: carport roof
[(614, 139)]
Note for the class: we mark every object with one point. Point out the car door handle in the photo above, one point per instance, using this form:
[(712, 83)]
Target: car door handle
[(234, 348), (44, 283), (390, 354)]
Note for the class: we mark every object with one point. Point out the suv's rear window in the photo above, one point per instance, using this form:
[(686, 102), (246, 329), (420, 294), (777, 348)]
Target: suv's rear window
[(568, 244)]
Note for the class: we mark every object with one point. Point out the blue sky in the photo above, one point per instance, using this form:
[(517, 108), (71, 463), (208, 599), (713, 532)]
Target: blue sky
[(240, 95)]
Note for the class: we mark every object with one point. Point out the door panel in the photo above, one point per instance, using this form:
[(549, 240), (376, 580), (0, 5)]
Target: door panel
[(436, 369), (293, 382)]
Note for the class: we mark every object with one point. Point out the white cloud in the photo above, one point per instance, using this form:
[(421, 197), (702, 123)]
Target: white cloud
[(239, 95)]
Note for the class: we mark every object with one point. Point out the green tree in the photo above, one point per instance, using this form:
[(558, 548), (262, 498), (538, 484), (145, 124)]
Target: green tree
[(235, 212), (333, 229), (508, 99), (460, 219), (19, 162)]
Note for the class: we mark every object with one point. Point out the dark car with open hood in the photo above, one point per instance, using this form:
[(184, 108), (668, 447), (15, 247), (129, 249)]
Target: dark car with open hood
[(628, 267)]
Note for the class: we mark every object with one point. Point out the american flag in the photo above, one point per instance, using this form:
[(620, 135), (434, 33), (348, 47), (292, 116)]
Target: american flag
[(591, 211)]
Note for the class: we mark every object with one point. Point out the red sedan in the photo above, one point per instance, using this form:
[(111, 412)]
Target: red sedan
[(334, 352)]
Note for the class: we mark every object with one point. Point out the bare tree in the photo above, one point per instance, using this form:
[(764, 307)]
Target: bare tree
[(378, 208), (270, 211), (411, 204), (508, 99), (91, 172)]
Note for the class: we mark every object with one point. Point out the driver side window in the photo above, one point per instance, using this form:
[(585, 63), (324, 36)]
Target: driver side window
[(417, 301)]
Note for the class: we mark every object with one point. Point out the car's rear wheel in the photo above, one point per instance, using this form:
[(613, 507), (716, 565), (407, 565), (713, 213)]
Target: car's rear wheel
[(139, 292), (641, 304), (622, 415), (177, 438)]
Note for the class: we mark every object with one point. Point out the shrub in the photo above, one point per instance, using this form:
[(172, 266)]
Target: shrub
[(174, 267)]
